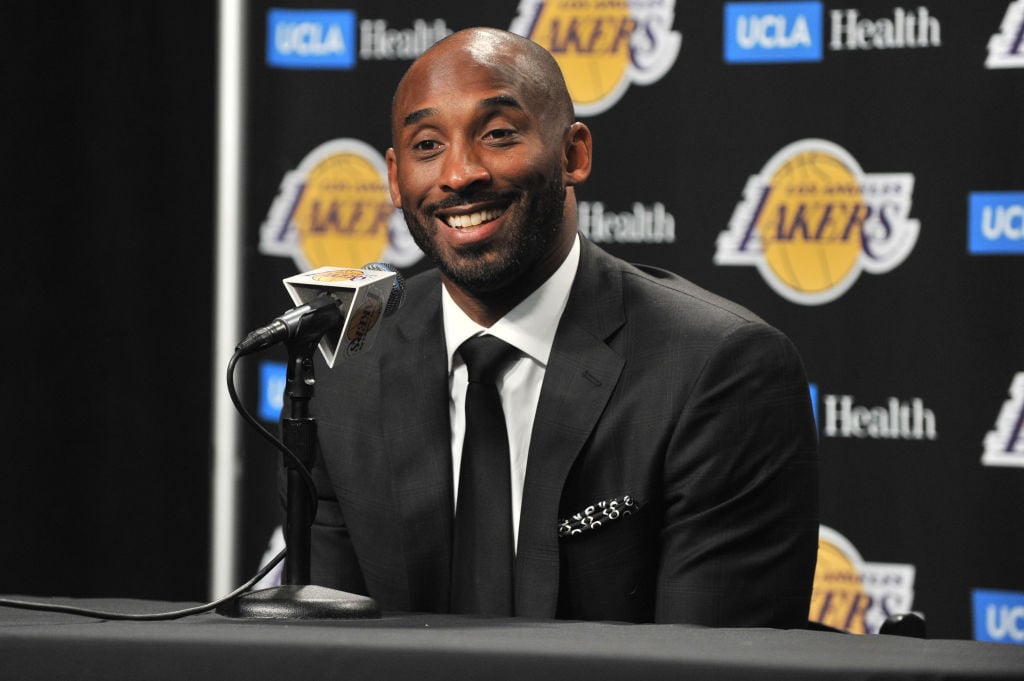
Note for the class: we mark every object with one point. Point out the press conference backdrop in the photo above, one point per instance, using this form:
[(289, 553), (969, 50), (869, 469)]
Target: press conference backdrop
[(851, 170)]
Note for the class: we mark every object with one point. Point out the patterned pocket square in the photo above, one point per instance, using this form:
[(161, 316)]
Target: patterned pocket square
[(596, 515)]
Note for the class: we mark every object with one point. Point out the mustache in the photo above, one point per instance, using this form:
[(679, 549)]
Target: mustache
[(466, 199)]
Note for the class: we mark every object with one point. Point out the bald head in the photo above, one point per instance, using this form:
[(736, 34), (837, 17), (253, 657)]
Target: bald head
[(527, 67)]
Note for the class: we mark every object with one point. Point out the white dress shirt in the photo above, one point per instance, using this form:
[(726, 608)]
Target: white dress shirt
[(530, 327)]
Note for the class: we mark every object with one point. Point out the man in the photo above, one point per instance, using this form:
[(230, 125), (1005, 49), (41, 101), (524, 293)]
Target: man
[(661, 445)]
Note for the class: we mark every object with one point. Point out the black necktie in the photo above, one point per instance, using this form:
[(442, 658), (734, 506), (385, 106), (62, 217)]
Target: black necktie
[(482, 559)]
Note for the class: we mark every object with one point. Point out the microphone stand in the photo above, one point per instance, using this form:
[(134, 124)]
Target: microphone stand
[(297, 598)]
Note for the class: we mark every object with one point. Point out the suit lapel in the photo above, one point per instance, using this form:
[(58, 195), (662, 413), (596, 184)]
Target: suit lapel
[(418, 449), (581, 375)]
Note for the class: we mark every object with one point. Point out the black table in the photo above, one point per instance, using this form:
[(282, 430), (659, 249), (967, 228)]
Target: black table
[(42, 645)]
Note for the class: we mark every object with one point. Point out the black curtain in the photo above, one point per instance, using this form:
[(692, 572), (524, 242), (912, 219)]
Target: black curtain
[(108, 217)]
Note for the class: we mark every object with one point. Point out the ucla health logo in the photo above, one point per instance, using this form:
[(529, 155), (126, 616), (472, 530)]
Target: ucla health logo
[(334, 209), (305, 39), (998, 616), (779, 32), (844, 416), (327, 39), (644, 224), (812, 221), (1004, 445), (773, 32), (1006, 48), (995, 223), (602, 46)]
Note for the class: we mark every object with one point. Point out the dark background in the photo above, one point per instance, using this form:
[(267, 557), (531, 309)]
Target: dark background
[(108, 186), (108, 160)]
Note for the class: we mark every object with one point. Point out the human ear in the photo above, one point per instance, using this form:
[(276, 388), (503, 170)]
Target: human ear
[(577, 154), (392, 161)]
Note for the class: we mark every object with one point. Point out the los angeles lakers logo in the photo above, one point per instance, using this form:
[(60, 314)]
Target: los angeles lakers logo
[(339, 275), (334, 209), (853, 595), (365, 319), (812, 221), (602, 45), (838, 598)]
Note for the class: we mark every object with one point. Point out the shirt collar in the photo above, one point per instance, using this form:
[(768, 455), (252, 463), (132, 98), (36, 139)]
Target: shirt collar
[(530, 326)]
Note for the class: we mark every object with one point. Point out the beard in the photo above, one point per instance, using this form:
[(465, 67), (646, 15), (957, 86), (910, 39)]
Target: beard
[(531, 233)]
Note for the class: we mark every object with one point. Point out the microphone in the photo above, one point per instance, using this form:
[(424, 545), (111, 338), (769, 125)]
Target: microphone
[(308, 321), (334, 306), (397, 296)]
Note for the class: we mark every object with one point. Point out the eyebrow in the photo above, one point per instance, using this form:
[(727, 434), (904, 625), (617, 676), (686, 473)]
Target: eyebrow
[(501, 101), (417, 116), (497, 101)]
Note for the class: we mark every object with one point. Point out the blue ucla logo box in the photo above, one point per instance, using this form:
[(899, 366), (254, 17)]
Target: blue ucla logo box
[(273, 377), (996, 223), (998, 616), (311, 39), (773, 32), (813, 387)]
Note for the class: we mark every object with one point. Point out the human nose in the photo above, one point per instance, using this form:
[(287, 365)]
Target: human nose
[(462, 169)]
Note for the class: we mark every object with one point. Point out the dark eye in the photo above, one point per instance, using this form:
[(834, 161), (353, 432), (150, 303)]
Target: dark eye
[(426, 145), (500, 135)]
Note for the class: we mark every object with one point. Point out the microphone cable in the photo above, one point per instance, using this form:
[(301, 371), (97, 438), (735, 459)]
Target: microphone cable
[(307, 477), (393, 303), (206, 607), (146, 617)]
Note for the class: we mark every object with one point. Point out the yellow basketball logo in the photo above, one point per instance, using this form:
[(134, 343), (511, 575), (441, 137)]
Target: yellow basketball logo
[(590, 41), (812, 221), (602, 45), (854, 595), (334, 209), (806, 240), (342, 214), (838, 599), (339, 275)]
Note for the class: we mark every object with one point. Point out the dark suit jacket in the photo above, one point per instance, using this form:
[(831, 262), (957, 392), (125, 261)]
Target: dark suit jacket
[(657, 390)]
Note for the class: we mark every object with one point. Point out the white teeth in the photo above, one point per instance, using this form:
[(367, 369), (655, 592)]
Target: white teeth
[(472, 219)]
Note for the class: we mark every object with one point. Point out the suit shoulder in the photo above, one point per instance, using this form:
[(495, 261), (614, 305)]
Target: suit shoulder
[(673, 299), (644, 298), (707, 325)]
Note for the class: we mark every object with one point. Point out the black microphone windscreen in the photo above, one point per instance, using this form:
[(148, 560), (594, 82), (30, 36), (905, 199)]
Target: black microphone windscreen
[(397, 287)]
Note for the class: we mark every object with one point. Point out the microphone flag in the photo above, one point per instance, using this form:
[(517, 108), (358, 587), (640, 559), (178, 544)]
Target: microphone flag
[(362, 295)]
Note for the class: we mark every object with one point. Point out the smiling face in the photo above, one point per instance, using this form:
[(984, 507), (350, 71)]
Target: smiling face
[(484, 153)]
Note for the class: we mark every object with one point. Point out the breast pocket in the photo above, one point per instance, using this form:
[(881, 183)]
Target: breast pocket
[(608, 564)]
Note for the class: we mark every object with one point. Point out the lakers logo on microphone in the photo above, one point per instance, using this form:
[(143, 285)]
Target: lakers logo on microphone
[(334, 208), (603, 45), (366, 318), (812, 221), (338, 275)]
